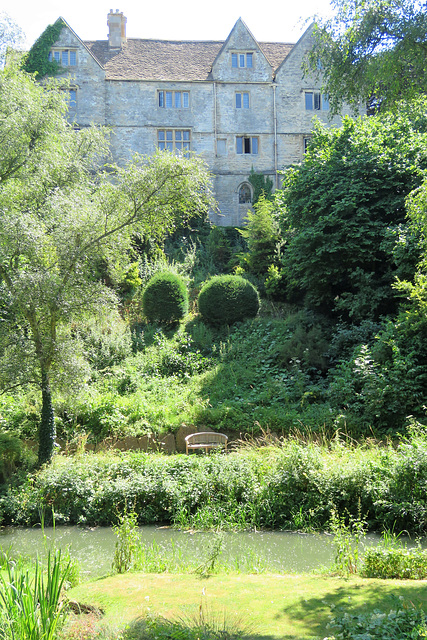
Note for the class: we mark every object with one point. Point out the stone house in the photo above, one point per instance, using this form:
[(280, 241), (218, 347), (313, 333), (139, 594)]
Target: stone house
[(239, 103)]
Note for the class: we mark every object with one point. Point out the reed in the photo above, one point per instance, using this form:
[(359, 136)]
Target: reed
[(30, 604)]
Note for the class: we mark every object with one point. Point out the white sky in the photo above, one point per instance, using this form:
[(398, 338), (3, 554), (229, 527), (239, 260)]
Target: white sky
[(278, 21)]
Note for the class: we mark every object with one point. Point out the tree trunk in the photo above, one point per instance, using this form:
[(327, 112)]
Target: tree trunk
[(47, 423)]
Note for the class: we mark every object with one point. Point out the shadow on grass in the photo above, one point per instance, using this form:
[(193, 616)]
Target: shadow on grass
[(356, 599)]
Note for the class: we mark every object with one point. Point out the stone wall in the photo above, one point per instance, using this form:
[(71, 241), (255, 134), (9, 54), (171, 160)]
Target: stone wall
[(276, 116)]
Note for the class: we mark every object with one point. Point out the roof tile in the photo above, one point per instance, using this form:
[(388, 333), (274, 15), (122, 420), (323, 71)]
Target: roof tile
[(169, 60)]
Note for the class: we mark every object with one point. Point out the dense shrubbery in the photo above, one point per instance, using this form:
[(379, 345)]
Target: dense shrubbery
[(228, 299), (405, 622), (291, 486), (393, 561), (165, 298)]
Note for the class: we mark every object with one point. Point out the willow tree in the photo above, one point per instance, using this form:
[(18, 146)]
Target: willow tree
[(61, 214)]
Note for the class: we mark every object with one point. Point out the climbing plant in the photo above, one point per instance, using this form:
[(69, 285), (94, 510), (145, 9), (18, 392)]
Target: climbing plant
[(262, 185), (37, 60)]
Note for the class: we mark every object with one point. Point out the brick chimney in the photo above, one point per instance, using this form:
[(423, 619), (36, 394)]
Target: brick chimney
[(116, 29)]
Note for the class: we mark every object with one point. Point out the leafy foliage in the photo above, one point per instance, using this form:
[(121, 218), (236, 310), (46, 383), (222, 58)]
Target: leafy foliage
[(262, 186), (389, 561), (228, 299), (37, 60), (128, 541), (11, 35), (165, 298), (60, 218), (372, 51), (405, 622), (292, 485), (342, 210), (263, 238), (31, 607)]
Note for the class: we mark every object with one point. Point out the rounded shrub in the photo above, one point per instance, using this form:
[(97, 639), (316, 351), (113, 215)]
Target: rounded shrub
[(228, 299), (165, 298)]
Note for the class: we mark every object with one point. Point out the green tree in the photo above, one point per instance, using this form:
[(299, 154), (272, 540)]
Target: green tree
[(60, 217), (262, 235), (343, 213), (261, 184), (11, 35), (372, 51)]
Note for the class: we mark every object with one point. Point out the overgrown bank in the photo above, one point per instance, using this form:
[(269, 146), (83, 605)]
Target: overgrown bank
[(294, 485)]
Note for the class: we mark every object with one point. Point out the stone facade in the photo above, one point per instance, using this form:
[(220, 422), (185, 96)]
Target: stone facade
[(240, 104)]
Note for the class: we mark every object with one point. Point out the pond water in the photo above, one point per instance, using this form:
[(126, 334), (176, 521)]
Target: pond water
[(280, 551)]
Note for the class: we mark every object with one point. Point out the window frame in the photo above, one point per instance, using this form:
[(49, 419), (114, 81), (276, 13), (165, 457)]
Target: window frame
[(247, 199), (316, 101), (247, 145), (306, 143), (58, 54), (242, 59), (239, 100), (174, 140), (169, 98)]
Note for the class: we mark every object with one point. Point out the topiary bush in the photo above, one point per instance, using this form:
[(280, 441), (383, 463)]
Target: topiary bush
[(165, 298), (228, 299)]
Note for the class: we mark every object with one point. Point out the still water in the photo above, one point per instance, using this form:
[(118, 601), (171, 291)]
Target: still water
[(280, 551)]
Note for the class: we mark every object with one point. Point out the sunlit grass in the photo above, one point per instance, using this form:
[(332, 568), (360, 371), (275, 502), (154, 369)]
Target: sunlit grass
[(290, 607)]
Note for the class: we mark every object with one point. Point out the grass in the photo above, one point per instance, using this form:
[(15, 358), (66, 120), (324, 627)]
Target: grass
[(289, 607)]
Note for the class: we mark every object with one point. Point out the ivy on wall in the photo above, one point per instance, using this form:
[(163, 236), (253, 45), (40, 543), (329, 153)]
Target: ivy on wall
[(37, 60), (261, 184)]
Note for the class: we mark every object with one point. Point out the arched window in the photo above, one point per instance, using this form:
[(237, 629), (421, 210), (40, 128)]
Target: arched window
[(245, 194)]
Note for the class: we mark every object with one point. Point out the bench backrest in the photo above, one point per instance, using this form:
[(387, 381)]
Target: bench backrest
[(206, 437)]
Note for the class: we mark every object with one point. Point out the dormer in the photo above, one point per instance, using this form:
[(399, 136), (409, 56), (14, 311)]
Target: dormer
[(116, 29), (241, 59)]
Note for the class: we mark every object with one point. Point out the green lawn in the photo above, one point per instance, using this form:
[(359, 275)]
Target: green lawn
[(288, 607)]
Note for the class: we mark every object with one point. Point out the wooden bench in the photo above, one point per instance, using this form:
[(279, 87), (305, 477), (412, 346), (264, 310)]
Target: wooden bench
[(205, 440)]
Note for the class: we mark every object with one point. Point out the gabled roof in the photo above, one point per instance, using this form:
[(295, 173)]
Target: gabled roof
[(171, 60)]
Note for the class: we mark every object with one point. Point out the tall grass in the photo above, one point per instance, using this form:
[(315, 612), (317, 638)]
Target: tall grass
[(293, 484), (30, 604)]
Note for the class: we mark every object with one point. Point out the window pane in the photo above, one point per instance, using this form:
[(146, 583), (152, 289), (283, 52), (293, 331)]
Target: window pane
[(185, 99), (234, 59), (50, 56), (178, 145), (178, 135), (64, 61), (239, 145), (162, 146), (317, 101), (246, 100), (255, 146), (242, 60), (178, 99), (161, 98), (244, 194), (161, 135), (73, 58), (169, 135), (249, 60), (186, 135), (325, 103), (56, 56), (168, 98), (309, 101), (247, 143), (169, 146), (238, 100), (73, 99)]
